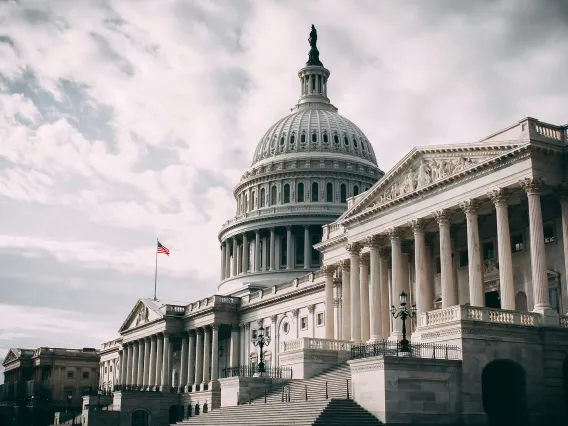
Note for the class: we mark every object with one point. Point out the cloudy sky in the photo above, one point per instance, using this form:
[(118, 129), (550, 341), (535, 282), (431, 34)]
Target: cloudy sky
[(121, 121)]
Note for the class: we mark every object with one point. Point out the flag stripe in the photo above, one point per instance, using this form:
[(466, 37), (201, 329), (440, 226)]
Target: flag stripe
[(163, 249)]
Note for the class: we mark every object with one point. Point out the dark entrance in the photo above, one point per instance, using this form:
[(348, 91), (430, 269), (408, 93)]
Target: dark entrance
[(173, 414), (565, 376), (492, 300), (504, 393), (139, 418)]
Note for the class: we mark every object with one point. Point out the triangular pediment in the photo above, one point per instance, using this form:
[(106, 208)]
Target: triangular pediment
[(12, 355), (142, 313), (424, 168)]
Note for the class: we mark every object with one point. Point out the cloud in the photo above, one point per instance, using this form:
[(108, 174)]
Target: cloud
[(119, 124)]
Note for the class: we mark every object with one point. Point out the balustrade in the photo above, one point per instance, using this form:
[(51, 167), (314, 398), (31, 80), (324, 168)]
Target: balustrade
[(475, 313), (313, 343)]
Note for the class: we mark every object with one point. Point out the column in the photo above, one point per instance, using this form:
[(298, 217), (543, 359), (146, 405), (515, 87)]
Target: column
[(264, 254), (541, 296), (506, 282), (354, 249), (140, 371), (307, 248), (146, 375), (235, 257), (564, 212), (337, 317), (474, 259), (374, 290), (365, 303), (214, 353), (227, 258), (152, 367), (272, 249), (289, 259), (328, 271), (184, 361), (257, 250), (242, 340), (199, 359), (385, 316), (130, 364), (206, 356), (397, 277), (124, 366), (120, 363), (190, 362), (135, 353), (420, 265), (166, 368), (429, 295), (234, 354), (346, 300), (160, 360), (449, 290), (223, 255), (245, 254)]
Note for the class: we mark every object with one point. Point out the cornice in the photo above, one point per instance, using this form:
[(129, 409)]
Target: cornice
[(314, 288)]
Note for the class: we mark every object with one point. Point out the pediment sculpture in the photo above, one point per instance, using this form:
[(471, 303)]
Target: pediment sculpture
[(143, 314)]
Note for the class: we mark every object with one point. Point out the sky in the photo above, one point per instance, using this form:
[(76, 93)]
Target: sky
[(123, 121)]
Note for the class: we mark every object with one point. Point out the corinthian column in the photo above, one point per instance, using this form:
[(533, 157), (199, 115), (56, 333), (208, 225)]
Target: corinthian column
[(227, 258), (199, 360), (354, 249), (365, 303), (245, 253), (307, 248), (206, 356), (564, 209), (234, 354), (374, 290), (346, 300), (384, 313), (166, 367), (152, 368), (397, 276), (474, 261), (257, 265), (140, 371), (146, 376), (506, 283), (235, 257), (449, 288), (214, 353), (160, 360), (272, 249), (184, 362), (328, 271), (134, 378), (289, 260), (191, 362), (420, 265), (532, 187), (223, 249)]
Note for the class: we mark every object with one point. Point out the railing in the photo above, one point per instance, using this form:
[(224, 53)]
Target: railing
[(549, 131), (97, 392), (252, 371), (416, 350), (564, 321), (175, 309), (476, 313), (313, 343)]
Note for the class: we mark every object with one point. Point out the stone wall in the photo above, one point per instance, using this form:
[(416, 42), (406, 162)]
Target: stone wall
[(306, 363), (157, 404), (238, 390)]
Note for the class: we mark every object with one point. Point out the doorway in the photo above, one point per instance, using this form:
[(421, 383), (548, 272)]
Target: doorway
[(504, 393), (140, 418), (493, 300)]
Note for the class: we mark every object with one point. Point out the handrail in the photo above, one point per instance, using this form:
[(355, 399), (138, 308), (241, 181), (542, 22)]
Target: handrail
[(415, 350), (253, 371)]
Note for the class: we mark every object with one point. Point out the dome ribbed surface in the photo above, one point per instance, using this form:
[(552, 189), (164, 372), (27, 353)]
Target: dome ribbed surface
[(323, 130)]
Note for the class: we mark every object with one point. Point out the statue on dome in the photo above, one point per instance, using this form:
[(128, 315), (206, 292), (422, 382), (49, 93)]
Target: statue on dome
[(313, 58), (313, 37)]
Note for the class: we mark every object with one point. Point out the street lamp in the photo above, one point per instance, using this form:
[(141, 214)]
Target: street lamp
[(69, 397), (261, 341), (403, 313)]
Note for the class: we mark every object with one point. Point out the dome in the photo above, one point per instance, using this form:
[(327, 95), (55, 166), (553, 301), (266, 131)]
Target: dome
[(316, 127)]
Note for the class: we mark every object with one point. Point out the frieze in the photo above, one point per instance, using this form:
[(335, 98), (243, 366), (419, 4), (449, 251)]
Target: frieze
[(493, 334)]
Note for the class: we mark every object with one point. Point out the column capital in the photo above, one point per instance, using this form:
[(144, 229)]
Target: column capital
[(498, 196), (365, 259), (257, 231), (295, 312), (311, 308), (336, 301), (328, 270), (247, 326), (562, 191), (306, 226), (345, 265), (288, 227), (417, 226), (242, 326), (373, 241), (384, 252), (442, 217), (532, 185), (394, 233), (469, 207), (214, 327), (273, 318), (353, 248)]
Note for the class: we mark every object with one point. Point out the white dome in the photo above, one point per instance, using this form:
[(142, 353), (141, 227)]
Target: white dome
[(314, 127)]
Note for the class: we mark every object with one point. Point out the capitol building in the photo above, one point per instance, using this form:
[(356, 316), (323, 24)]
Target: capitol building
[(325, 255)]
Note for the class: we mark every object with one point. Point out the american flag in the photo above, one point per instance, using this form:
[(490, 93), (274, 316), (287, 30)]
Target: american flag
[(163, 249)]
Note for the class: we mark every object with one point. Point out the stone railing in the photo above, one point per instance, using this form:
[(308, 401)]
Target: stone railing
[(332, 230), (549, 131), (464, 312), (175, 310), (564, 321), (208, 302), (312, 343)]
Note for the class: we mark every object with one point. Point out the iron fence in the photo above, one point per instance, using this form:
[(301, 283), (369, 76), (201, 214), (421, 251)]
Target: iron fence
[(252, 371), (414, 350)]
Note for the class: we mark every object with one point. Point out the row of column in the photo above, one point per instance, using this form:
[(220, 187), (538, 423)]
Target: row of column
[(235, 259), (357, 314), (107, 374)]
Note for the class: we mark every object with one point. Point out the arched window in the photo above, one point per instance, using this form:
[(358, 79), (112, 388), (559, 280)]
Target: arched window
[(273, 193), (355, 190), (325, 140), (346, 140), (315, 190), (329, 192), (300, 192), (314, 137), (343, 193), (245, 207), (303, 138), (336, 139), (292, 139), (282, 140), (252, 200), (286, 193), (262, 197), (363, 145), (354, 141)]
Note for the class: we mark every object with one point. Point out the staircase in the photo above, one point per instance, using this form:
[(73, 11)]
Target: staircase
[(332, 412), (287, 405)]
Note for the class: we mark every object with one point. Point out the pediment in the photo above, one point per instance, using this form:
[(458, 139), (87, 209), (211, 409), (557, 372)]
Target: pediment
[(12, 355), (142, 313), (427, 167)]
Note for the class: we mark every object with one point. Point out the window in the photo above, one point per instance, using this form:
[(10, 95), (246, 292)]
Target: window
[(320, 319), (325, 139), (110, 369), (286, 327), (69, 393), (517, 243), (548, 234), (336, 139), (254, 334), (303, 138), (70, 374), (463, 258), (343, 193), (314, 137), (105, 370), (488, 251), (282, 140), (286, 193), (363, 145), (438, 265), (315, 191), (355, 190), (85, 374), (273, 195), (292, 139), (346, 140), (267, 331), (329, 192), (300, 192), (354, 142), (304, 323), (262, 197)]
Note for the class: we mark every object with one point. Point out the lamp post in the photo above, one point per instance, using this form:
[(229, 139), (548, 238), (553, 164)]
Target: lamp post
[(403, 313), (261, 341), (69, 397)]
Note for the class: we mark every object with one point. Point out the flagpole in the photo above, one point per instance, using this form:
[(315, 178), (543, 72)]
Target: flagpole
[(156, 272)]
